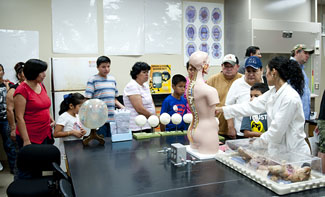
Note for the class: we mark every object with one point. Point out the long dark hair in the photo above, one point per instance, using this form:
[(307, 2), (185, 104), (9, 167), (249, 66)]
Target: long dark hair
[(289, 71), (72, 98)]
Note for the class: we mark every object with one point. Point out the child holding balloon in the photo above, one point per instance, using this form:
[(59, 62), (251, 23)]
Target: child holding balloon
[(68, 126)]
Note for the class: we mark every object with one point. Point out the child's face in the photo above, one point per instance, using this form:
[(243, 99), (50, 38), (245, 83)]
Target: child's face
[(76, 108), (104, 69), (179, 88), (255, 93)]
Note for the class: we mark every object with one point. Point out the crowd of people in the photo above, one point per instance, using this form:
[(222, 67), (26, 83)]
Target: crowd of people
[(273, 108)]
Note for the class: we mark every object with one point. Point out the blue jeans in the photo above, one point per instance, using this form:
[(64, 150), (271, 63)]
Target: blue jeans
[(105, 130), (8, 144)]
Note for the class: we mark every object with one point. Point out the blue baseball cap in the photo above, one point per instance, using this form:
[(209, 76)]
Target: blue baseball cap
[(253, 62)]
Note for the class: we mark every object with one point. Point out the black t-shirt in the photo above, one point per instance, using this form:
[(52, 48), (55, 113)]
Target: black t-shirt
[(3, 105)]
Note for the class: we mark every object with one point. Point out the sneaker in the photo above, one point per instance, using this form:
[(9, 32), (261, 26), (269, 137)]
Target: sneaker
[(1, 167)]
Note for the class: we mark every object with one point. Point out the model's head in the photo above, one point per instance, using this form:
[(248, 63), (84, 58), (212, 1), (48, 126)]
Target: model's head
[(200, 61)]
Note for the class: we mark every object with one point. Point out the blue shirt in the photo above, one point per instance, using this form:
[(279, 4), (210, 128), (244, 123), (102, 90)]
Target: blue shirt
[(305, 98), (167, 107)]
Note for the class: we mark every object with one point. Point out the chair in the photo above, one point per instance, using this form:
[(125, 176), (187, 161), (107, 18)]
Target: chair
[(32, 162), (66, 189)]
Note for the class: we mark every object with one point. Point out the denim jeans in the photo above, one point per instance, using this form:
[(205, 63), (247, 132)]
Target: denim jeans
[(8, 144), (105, 130)]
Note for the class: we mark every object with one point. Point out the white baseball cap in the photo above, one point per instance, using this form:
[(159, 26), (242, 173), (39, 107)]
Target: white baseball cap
[(230, 58)]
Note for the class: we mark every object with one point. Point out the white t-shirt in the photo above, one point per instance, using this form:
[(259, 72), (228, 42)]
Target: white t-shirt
[(133, 88), (238, 93), (69, 123)]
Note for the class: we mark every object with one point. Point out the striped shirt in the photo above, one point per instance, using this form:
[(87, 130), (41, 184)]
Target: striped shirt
[(133, 88), (104, 89)]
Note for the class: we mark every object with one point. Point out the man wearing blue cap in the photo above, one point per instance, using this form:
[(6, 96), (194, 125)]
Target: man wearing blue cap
[(301, 54), (239, 92)]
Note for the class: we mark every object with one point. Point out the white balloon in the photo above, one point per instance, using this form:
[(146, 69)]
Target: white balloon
[(165, 118), (188, 118), (93, 113), (140, 120), (153, 121), (176, 118)]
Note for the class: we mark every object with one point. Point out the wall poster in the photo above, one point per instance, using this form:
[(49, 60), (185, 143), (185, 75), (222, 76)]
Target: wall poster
[(160, 79), (203, 30)]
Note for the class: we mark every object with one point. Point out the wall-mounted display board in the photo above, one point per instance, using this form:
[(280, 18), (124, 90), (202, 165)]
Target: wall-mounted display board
[(203, 29)]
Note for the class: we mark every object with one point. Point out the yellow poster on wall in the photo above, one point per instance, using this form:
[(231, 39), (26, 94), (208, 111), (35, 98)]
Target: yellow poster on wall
[(160, 79)]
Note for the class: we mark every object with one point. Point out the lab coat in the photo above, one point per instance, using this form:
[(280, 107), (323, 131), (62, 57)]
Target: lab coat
[(285, 118)]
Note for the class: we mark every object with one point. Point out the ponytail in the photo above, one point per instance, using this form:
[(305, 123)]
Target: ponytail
[(289, 71), (72, 98)]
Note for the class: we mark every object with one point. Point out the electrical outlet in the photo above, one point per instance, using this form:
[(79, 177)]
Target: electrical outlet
[(316, 86)]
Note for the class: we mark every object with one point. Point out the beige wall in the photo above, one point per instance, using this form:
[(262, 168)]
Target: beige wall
[(36, 15)]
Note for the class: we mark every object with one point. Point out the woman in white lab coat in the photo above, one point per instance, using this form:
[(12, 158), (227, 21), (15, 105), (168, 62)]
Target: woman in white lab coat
[(283, 106)]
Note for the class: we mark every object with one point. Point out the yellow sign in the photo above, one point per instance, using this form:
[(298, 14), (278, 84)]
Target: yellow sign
[(160, 79)]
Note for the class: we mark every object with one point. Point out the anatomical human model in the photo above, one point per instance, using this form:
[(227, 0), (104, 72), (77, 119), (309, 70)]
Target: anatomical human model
[(202, 99)]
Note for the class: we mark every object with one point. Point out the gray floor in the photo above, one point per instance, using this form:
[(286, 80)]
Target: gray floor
[(5, 178)]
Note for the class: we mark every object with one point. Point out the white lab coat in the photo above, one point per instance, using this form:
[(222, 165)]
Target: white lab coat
[(285, 118)]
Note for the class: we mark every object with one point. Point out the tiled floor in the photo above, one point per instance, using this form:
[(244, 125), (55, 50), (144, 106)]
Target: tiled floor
[(5, 178)]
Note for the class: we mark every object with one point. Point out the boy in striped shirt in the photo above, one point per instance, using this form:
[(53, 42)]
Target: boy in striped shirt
[(103, 86)]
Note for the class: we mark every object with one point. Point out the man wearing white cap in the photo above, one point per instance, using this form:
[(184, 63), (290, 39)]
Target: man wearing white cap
[(222, 82), (301, 54)]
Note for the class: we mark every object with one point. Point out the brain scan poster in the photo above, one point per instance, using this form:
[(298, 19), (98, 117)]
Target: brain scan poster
[(204, 30)]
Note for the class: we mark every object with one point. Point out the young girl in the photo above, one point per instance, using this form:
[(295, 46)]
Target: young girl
[(68, 126)]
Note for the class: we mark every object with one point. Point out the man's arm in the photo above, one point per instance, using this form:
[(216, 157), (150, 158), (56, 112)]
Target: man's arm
[(118, 104), (231, 129)]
